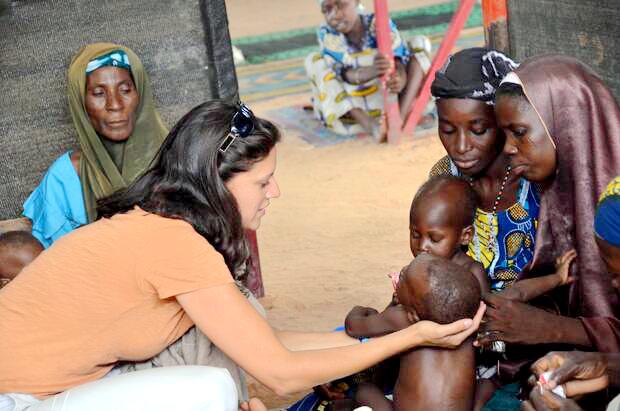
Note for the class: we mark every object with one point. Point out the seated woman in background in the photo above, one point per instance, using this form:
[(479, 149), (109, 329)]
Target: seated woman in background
[(345, 73), (118, 130)]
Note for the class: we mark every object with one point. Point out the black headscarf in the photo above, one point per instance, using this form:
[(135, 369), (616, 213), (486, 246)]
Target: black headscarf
[(472, 73)]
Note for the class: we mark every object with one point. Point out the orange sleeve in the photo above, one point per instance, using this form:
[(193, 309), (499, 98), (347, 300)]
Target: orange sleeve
[(183, 261)]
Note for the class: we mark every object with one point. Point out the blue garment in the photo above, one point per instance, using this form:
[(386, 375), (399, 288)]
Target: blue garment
[(56, 206), (310, 402), (607, 217), (504, 241), (115, 58)]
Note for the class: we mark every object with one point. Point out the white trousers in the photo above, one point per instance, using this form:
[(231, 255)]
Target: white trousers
[(183, 388)]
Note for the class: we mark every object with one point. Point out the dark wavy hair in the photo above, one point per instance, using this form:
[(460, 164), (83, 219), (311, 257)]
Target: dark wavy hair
[(186, 179)]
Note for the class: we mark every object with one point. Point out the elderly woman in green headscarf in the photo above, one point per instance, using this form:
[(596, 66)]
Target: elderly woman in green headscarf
[(118, 130)]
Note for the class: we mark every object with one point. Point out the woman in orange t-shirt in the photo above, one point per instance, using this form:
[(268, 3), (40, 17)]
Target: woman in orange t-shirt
[(165, 256)]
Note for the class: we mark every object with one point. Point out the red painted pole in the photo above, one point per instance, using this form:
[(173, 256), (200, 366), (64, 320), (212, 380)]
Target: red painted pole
[(384, 44), (493, 10), (449, 40)]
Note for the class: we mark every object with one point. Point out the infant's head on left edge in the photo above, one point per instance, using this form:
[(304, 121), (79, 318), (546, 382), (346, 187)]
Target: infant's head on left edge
[(17, 250)]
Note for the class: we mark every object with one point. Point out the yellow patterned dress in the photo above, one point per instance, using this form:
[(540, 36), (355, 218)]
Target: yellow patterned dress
[(503, 242), (612, 190)]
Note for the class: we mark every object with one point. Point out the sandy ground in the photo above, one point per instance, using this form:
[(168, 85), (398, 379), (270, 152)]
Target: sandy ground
[(341, 223), (339, 227)]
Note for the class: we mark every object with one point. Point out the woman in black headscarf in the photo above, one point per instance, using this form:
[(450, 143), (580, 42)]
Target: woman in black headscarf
[(505, 222)]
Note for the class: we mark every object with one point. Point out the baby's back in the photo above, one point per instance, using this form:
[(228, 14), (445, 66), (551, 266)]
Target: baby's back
[(436, 379)]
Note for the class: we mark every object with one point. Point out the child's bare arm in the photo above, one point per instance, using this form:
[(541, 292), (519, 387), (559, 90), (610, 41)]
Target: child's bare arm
[(368, 322), (526, 290)]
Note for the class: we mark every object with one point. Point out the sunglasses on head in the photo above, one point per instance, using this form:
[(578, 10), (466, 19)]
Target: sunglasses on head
[(242, 125)]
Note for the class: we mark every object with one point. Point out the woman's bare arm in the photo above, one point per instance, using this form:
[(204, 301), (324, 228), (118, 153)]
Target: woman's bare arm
[(300, 341), (227, 318)]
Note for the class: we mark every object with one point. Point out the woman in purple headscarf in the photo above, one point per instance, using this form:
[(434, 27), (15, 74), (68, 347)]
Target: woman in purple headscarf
[(562, 127)]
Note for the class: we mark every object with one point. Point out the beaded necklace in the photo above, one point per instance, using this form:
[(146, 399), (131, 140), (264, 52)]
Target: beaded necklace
[(496, 346), (498, 197), (500, 193), (490, 216)]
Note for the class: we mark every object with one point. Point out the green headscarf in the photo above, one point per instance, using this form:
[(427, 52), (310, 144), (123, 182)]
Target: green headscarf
[(105, 166)]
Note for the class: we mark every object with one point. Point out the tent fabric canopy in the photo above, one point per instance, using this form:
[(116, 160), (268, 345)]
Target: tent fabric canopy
[(585, 29)]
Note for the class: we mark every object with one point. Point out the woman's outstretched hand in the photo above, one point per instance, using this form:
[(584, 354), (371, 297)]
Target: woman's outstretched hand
[(448, 335)]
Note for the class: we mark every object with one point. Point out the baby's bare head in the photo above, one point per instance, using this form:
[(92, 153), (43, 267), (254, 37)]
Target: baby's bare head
[(439, 290)]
